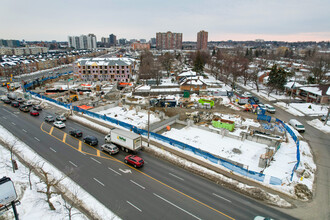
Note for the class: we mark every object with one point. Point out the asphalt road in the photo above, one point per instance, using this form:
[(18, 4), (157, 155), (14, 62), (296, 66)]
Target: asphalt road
[(159, 190)]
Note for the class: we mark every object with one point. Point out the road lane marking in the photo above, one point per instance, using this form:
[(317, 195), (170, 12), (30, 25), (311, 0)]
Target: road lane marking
[(13, 123), (114, 171), (80, 146), (221, 197), (73, 163), (4, 117), (64, 137), (82, 153), (24, 130), (98, 153), (96, 160), (126, 171), (138, 184), (51, 130), (176, 176), (98, 181), (134, 206), (52, 149), (36, 139), (177, 206)]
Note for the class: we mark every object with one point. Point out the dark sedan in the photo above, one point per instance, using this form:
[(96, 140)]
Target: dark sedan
[(76, 133), (15, 104)]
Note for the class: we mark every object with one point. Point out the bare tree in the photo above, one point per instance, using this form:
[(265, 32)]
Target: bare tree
[(51, 184), (320, 66), (255, 79), (166, 61), (71, 203), (32, 166)]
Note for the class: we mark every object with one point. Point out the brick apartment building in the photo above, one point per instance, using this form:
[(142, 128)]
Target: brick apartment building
[(202, 37), (168, 41)]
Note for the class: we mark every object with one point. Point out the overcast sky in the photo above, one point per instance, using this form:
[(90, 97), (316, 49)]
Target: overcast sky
[(284, 20)]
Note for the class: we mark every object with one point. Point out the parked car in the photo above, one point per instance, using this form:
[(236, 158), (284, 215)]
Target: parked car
[(37, 107), (28, 103), (134, 160), (254, 99), (297, 125), (49, 118), (7, 101), (247, 94), (15, 104), (91, 140), (24, 108), (59, 124), (323, 117), (270, 108), (76, 133), (34, 113), (60, 118), (20, 100), (110, 148), (3, 97), (262, 106)]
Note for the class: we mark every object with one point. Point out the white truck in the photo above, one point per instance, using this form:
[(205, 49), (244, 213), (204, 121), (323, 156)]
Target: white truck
[(125, 140)]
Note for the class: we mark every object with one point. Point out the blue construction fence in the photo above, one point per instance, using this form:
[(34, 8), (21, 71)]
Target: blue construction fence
[(296, 140), (235, 168)]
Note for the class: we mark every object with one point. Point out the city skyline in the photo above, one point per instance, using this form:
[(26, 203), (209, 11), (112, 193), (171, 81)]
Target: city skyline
[(238, 20)]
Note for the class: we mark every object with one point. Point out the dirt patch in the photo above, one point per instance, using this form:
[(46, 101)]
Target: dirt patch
[(302, 192)]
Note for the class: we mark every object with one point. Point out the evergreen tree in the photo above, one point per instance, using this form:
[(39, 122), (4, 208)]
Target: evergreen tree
[(198, 63), (277, 79), (213, 52)]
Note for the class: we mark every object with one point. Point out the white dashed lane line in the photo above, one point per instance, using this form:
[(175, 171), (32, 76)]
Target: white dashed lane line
[(134, 206), (98, 181), (13, 123), (73, 163), (52, 149), (96, 160), (36, 139), (138, 184), (176, 176), (24, 130), (176, 206), (221, 197), (114, 171)]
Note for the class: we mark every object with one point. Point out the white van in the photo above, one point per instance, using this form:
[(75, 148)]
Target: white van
[(297, 125)]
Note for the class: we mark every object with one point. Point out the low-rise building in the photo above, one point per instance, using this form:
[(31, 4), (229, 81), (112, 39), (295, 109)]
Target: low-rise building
[(104, 69)]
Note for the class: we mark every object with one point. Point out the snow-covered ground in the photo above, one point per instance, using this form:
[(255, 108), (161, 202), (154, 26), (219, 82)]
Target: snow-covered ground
[(139, 118), (316, 123), (33, 205), (289, 109)]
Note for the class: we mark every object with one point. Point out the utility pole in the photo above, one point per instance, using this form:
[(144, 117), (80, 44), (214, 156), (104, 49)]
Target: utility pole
[(149, 120), (326, 119)]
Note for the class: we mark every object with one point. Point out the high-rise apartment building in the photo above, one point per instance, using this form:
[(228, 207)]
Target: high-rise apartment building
[(202, 40), (83, 42), (112, 40), (168, 41)]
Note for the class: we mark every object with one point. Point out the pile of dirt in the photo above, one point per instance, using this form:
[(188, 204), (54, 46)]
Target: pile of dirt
[(302, 192)]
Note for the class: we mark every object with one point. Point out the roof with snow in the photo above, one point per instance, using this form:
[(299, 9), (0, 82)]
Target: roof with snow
[(188, 73)]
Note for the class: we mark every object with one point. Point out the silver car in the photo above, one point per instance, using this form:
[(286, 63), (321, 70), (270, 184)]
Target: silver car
[(110, 148)]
